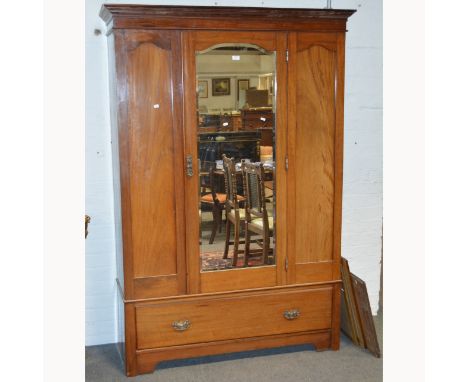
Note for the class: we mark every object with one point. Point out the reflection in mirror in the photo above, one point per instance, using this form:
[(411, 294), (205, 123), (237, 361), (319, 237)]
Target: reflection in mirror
[(236, 156)]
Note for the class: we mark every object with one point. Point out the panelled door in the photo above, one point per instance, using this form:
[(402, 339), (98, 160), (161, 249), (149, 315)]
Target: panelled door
[(315, 119), (225, 72), (150, 144)]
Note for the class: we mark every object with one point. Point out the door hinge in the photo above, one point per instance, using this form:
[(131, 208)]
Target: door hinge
[(287, 55), (286, 163), (286, 264), (189, 165)]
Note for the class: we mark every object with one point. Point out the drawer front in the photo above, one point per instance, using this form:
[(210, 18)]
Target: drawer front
[(206, 320)]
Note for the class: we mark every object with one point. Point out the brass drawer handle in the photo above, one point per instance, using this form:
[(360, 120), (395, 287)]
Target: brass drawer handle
[(180, 326), (291, 314)]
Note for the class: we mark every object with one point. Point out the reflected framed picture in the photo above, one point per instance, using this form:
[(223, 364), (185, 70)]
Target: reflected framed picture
[(203, 89), (242, 86), (221, 86)]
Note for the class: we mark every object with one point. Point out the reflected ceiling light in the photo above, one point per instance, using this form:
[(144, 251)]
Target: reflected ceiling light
[(235, 58)]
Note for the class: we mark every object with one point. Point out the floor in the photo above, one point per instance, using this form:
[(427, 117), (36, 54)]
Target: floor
[(291, 364)]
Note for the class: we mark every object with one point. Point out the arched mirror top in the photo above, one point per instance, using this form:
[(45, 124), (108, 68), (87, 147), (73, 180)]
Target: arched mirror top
[(242, 48)]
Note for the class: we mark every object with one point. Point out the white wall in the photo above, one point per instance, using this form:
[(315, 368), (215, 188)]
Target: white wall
[(362, 191), (100, 244), (224, 102), (222, 66)]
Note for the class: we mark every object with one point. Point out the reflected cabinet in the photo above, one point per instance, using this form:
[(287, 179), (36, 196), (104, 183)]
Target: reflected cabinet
[(227, 137)]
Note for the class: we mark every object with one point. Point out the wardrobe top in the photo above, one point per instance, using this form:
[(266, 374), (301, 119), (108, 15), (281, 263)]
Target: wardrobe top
[(204, 17)]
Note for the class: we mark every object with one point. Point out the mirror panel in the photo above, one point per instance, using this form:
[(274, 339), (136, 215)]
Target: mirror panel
[(236, 86)]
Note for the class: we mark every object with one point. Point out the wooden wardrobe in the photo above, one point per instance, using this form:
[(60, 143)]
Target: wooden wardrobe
[(168, 308)]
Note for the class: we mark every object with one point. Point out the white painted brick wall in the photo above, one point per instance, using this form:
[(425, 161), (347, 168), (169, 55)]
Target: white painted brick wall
[(100, 245), (362, 189)]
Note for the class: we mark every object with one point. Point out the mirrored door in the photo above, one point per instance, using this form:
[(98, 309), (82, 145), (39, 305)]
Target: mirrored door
[(235, 143), (236, 156)]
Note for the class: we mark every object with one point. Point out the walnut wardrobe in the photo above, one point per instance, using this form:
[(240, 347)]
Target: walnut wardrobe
[(172, 67)]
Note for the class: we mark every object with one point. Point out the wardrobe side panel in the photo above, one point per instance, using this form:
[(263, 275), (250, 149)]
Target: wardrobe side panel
[(315, 136), (154, 163), (315, 73), (151, 163)]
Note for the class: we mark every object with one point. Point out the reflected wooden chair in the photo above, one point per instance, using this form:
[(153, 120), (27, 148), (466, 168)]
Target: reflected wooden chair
[(234, 214), (215, 200), (266, 155), (256, 215)]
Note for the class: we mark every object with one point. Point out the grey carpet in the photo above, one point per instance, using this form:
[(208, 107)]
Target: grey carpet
[(289, 364)]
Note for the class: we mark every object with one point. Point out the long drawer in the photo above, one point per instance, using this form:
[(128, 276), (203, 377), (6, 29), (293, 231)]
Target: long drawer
[(222, 318)]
